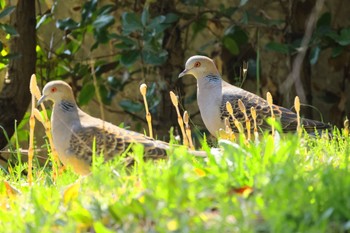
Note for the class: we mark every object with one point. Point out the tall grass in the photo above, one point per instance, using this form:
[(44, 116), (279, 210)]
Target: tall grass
[(297, 185)]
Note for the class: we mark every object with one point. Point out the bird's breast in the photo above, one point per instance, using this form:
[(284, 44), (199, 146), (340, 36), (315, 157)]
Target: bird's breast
[(209, 102)]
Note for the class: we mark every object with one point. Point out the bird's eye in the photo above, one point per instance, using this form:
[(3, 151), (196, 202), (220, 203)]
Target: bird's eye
[(197, 64), (53, 89)]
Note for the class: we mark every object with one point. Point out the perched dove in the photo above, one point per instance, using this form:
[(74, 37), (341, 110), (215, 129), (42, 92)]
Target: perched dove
[(213, 93), (74, 132)]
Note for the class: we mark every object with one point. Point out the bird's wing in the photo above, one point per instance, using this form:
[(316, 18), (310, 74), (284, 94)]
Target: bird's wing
[(111, 141), (286, 117)]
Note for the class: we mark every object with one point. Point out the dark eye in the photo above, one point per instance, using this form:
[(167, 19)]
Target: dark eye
[(53, 89), (197, 64)]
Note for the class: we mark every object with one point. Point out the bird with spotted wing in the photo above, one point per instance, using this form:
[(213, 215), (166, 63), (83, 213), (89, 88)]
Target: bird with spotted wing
[(213, 93), (74, 132)]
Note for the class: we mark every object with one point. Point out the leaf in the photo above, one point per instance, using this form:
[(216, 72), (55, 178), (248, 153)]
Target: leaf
[(131, 106), (71, 193), (278, 47), (344, 38), (336, 51), (100, 228), (67, 24), (88, 9), (324, 20), (9, 29), (314, 54), (199, 25), (44, 19), (145, 16), (243, 2), (102, 22), (86, 94), (231, 45), (193, 2), (227, 12), (171, 18), (128, 58), (154, 57), (237, 34), (131, 23), (7, 11), (156, 21)]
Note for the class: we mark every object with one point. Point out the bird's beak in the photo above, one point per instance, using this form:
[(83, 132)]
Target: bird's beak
[(41, 100), (183, 73)]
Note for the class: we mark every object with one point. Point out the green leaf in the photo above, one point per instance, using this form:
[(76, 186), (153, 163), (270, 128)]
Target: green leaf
[(193, 2), (237, 34), (145, 16), (9, 29), (67, 24), (131, 23), (199, 25), (324, 20), (44, 19), (86, 93), (278, 47), (171, 18), (344, 38), (131, 106), (7, 11), (156, 21), (337, 50), (231, 45), (243, 2), (154, 57), (88, 9), (100, 228), (227, 12), (102, 22), (128, 58), (314, 54)]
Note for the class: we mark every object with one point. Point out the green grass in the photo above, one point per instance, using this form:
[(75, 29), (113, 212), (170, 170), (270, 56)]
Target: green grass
[(299, 185)]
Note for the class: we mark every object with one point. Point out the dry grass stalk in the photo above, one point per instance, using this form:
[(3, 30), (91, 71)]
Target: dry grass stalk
[(270, 102), (247, 121), (346, 127), (33, 89), (175, 102), (238, 124), (44, 119), (143, 90), (254, 116), (188, 129), (297, 109)]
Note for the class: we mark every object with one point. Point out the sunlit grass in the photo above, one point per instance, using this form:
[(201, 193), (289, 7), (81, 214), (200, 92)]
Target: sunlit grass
[(297, 185)]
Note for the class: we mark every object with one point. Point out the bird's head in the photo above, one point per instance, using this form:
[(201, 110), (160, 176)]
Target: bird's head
[(56, 91), (200, 66)]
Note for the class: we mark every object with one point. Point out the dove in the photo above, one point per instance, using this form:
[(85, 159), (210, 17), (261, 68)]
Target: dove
[(74, 132), (213, 93)]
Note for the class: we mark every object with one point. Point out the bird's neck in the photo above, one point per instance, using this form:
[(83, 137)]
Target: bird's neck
[(66, 106), (209, 81)]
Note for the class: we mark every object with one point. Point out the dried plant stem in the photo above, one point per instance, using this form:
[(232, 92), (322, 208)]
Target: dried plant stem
[(179, 118), (254, 116), (297, 109), (270, 102), (235, 121), (31, 143), (247, 121), (143, 90), (188, 129), (346, 127), (34, 89)]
